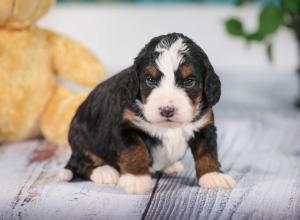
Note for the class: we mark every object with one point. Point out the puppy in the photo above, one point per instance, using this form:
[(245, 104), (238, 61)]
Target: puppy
[(143, 120)]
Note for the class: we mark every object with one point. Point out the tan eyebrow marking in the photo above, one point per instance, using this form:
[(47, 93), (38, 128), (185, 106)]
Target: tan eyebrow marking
[(186, 70), (196, 103), (152, 71)]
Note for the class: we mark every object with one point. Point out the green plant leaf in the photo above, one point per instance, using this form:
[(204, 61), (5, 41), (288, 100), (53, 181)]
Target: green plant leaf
[(234, 27), (270, 19), (254, 36), (291, 5), (269, 50), (242, 2)]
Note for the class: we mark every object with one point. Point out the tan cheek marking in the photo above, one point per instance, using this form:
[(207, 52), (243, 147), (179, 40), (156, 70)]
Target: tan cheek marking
[(144, 100), (186, 70), (196, 103), (152, 71), (210, 117), (130, 116), (207, 118), (135, 159)]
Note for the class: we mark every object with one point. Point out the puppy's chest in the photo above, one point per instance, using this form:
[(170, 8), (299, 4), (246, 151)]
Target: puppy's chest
[(172, 147)]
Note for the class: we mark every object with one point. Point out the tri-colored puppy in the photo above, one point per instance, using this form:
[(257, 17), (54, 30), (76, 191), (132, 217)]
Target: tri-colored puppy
[(143, 120)]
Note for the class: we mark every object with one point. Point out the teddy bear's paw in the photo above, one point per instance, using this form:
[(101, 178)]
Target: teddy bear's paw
[(175, 168), (105, 175), (65, 175), (216, 180), (135, 184)]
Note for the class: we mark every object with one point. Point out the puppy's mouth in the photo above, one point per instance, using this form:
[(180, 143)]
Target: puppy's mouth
[(169, 123)]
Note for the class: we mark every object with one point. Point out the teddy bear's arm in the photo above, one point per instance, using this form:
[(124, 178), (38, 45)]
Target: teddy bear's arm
[(74, 62)]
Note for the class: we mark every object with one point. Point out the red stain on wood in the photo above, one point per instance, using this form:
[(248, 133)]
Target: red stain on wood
[(32, 191), (46, 152), (18, 196), (39, 161)]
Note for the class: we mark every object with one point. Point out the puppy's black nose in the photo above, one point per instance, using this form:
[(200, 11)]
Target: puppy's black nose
[(167, 111)]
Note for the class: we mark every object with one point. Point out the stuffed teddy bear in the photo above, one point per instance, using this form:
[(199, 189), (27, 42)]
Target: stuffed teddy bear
[(32, 101)]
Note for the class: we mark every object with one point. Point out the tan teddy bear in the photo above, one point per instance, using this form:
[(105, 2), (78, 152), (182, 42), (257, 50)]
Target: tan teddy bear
[(32, 101)]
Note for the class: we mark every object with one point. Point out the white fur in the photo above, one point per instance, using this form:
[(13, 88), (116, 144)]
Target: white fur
[(65, 175), (135, 184), (216, 180), (173, 148), (105, 175), (175, 168), (170, 57), (167, 93), (168, 96), (174, 140)]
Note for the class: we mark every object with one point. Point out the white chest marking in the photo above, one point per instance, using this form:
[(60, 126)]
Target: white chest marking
[(173, 147), (174, 140)]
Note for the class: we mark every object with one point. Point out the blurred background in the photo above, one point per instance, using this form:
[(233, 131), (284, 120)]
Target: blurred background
[(115, 30), (254, 49)]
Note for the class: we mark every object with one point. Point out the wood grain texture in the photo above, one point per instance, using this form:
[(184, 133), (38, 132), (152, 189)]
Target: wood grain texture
[(259, 145), (30, 188)]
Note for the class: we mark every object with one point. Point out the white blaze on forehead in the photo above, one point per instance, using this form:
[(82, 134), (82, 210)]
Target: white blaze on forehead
[(167, 93), (169, 60)]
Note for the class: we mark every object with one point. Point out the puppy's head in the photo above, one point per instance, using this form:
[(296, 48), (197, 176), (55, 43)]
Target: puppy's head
[(176, 80)]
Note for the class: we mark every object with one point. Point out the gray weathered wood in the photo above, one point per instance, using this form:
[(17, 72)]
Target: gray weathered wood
[(30, 188)]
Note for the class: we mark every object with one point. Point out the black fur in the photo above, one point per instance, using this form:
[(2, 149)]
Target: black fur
[(98, 122), (98, 125)]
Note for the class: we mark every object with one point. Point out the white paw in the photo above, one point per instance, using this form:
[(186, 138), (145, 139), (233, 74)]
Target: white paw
[(216, 180), (135, 184), (175, 168), (105, 175), (65, 175)]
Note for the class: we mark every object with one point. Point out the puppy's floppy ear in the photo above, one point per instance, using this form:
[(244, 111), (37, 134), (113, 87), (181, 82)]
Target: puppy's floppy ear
[(212, 84), (134, 85)]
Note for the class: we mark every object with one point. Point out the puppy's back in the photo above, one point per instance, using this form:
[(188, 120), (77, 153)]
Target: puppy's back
[(96, 124)]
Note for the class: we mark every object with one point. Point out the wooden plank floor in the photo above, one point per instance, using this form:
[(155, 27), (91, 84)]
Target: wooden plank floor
[(259, 144), (30, 188)]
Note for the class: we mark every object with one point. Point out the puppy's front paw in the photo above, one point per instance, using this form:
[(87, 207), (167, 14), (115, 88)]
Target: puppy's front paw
[(216, 180), (105, 175), (135, 184), (175, 168)]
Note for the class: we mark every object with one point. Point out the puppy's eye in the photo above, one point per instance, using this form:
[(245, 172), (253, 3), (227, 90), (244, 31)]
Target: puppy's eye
[(189, 83), (151, 82)]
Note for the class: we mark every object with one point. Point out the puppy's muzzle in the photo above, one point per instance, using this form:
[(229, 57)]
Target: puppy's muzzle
[(167, 111)]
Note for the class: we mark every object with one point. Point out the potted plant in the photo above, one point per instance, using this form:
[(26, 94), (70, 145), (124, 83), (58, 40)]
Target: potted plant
[(272, 16)]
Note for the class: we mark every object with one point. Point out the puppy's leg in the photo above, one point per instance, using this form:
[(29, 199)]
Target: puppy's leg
[(175, 168), (134, 165), (208, 168)]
